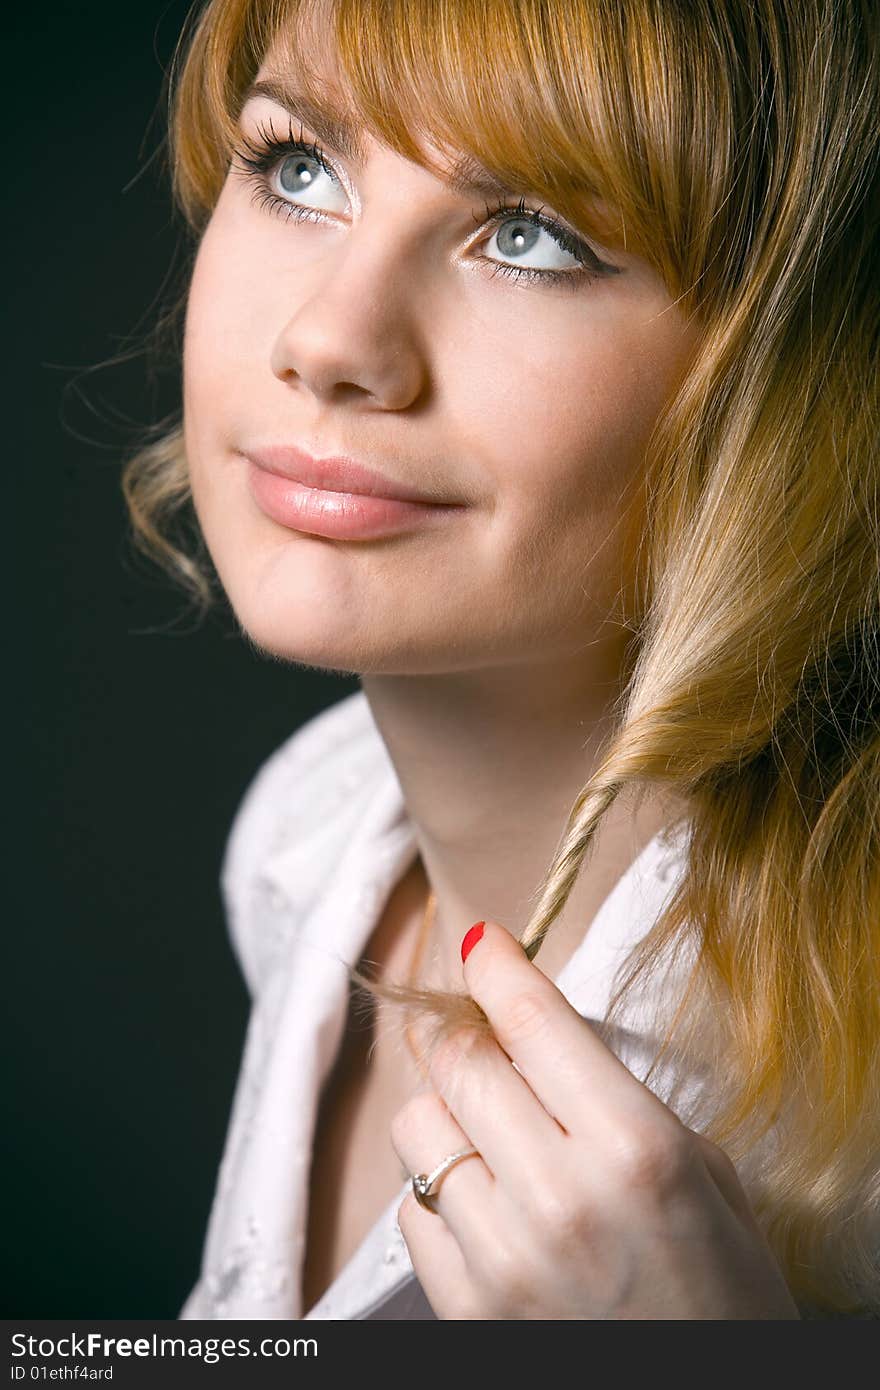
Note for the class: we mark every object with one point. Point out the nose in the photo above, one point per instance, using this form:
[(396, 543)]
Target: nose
[(351, 332)]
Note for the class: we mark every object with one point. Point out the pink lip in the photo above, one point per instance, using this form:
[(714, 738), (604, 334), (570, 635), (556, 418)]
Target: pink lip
[(333, 474), (327, 511)]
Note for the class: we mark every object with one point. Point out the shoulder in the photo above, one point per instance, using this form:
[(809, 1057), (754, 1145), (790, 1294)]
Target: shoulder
[(303, 789)]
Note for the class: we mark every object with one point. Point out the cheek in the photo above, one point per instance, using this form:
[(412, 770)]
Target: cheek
[(204, 350), (217, 377), (562, 419), (565, 414), (213, 336), (223, 347)]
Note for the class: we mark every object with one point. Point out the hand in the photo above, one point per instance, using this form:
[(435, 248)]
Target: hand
[(588, 1198)]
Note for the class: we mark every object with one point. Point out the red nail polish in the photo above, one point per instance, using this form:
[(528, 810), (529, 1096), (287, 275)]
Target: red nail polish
[(470, 939)]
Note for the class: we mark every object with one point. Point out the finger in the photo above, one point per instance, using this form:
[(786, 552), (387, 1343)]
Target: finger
[(574, 1074), (726, 1179), (438, 1261), (423, 1133), (518, 1139)]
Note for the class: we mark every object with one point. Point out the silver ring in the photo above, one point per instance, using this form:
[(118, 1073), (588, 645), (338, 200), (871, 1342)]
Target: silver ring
[(423, 1182)]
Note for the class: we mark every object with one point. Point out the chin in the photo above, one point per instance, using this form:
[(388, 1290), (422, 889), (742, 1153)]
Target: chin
[(287, 643), (294, 603), (290, 636), (297, 632)]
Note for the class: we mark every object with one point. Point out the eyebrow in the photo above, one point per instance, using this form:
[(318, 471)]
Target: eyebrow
[(466, 176)]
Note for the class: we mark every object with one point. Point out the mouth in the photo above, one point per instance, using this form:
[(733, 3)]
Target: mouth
[(335, 514), (338, 474)]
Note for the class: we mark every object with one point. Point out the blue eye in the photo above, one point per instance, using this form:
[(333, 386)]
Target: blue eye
[(518, 236), (519, 233), (292, 168), (304, 174)]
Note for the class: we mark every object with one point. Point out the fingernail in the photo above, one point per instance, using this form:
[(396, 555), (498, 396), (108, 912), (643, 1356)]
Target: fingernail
[(470, 939)]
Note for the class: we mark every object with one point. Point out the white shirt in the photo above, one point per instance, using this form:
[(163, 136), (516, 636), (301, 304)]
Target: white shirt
[(320, 839)]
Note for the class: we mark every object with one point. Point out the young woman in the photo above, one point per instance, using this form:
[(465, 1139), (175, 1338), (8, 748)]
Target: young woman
[(530, 373)]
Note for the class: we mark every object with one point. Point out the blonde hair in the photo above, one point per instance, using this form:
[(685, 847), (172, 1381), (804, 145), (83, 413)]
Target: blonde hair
[(737, 143)]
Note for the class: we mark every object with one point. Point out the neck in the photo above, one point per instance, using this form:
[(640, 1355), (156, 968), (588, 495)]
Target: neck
[(490, 763)]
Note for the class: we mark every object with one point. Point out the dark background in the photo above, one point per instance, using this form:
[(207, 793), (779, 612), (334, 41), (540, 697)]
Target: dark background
[(138, 729)]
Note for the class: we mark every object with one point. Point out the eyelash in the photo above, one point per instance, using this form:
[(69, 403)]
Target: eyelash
[(258, 159)]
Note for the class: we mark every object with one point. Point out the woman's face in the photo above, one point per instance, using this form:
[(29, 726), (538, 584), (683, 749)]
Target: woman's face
[(386, 324)]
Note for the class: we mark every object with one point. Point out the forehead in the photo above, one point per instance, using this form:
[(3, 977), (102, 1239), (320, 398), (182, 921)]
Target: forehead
[(305, 40), (310, 89), (475, 152)]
